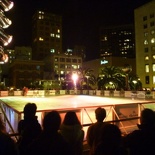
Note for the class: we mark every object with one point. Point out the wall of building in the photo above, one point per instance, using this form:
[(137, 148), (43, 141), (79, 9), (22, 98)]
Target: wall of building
[(145, 43)]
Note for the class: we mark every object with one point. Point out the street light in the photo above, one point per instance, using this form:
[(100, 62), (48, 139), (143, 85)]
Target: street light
[(74, 78)]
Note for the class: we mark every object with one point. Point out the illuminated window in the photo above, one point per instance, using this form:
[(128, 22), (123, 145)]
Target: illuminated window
[(58, 30), (41, 39), (153, 56), (74, 66), (153, 67), (147, 58), (57, 35), (145, 42), (41, 17), (153, 40), (147, 68), (146, 34), (52, 34), (152, 31), (68, 66), (56, 59), (56, 66), (153, 79), (41, 12), (38, 67), (52, 50), (79, 66), (62, 72)]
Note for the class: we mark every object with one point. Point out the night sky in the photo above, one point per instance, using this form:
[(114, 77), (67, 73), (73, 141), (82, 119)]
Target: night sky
[(81, 19)]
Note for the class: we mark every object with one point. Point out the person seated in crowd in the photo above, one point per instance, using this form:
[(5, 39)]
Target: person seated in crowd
[(29, 127), (94, 130), (7, 145), (50, 141), (142, 141), (110, 142), (71, 130)]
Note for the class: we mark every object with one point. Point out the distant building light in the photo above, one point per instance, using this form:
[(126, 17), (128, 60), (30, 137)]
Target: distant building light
[(52, 35), (52, 51), (41, 39), (104, 62)]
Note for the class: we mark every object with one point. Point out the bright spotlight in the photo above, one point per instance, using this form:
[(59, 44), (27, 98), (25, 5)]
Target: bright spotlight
[(7, 5), (4, 38), (4, 22)]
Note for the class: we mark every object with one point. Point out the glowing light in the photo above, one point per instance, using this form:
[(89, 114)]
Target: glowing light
[(7, 5)]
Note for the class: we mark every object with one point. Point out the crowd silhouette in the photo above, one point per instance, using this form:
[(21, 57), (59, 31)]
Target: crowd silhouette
[(65, 137)]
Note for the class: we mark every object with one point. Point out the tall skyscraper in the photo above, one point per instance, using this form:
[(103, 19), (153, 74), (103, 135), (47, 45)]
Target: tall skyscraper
[(145, 43), (117, 41), (46, 35)]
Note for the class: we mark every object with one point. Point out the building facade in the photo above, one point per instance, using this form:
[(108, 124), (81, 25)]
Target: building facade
[(46, 35), (58, 66), (117, 41), (145, 43), (98, 64), (23, 73)]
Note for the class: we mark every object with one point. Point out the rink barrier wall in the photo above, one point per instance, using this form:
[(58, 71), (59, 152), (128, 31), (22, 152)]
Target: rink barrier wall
[(105, 93)]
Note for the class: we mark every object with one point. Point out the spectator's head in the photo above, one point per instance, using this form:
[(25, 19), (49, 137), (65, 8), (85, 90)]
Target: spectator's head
[(51, 121), (71, 118), (30, 110), (111, 136), (100, 114), (147, 117)]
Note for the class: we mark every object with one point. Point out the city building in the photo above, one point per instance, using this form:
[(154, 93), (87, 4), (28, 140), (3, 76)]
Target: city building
[(145, 43), (58, 66), (98, 64), (77, 50), (117, 41), (80, 51), (11, 55), (46, 35), (18, 53), (23, 73), (23, 53)]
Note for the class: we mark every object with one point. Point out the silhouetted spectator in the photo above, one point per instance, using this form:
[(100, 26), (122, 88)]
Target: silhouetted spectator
[(28, 128), (50, 142), (111, 141), (94, 131), (71, 130), (7, 145), (142, 141)]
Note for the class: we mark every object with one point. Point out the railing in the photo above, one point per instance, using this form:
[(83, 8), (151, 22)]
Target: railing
[(126, 116)]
